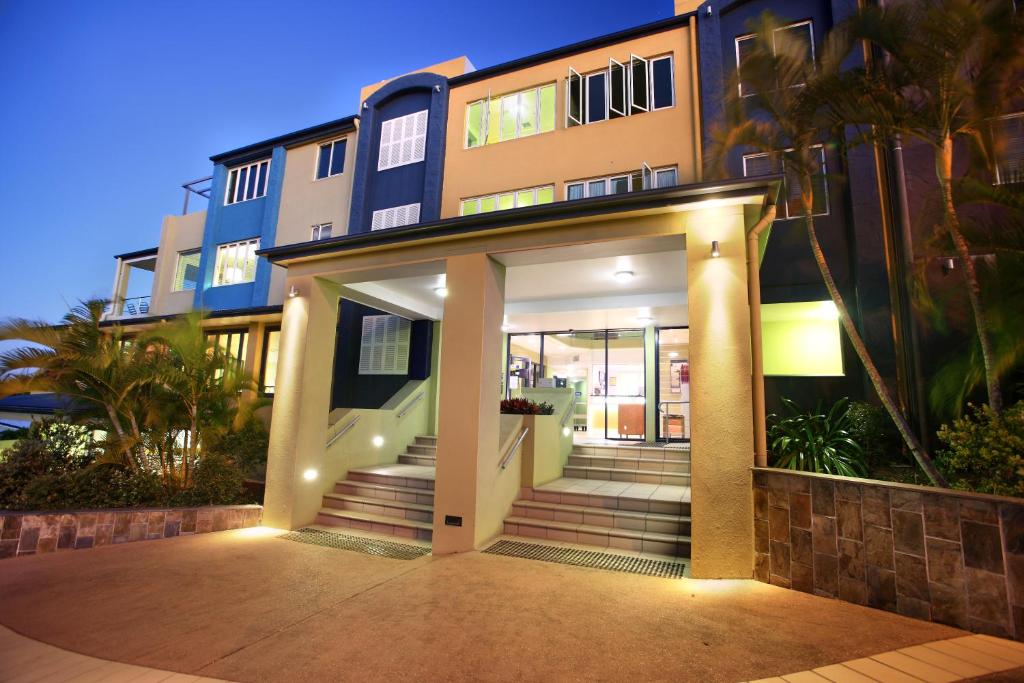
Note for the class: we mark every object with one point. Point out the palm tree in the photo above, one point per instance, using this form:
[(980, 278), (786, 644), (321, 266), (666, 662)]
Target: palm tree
[(948, 67), (781, 113), (91, 365)]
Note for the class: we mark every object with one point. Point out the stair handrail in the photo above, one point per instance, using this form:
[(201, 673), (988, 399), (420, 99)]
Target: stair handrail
[(514, 448), (341, 432), (569, 410), (409, 406)]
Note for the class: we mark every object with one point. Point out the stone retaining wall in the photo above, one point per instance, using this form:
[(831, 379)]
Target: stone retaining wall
[(935, 554), (29, 533)]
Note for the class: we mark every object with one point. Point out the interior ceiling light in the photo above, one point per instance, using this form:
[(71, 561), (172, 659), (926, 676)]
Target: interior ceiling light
[(645, 319), (673, 354), (441, 291), (624, 276)]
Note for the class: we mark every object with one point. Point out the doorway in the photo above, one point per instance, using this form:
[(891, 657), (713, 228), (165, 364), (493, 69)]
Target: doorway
[(672, 348)]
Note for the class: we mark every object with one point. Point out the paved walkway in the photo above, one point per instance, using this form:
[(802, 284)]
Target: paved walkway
[(247, 606)]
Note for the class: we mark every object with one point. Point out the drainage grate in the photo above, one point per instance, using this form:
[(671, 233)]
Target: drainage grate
[(589, 558), (359, 544)]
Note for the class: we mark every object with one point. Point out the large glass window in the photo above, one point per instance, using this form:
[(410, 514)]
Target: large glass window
[(597, 97), (236, 263), (508, 200), (507, 117), (268, 371), (322, 231), (673, 383), (800, 35), (767, 164), (623, 89), (247, 182), (1010, 158), (331, 160), (234, 343), (186, 271), (619, 184), (801, 339)]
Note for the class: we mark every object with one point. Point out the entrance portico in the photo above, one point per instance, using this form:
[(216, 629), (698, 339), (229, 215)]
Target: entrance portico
[(472, 493)]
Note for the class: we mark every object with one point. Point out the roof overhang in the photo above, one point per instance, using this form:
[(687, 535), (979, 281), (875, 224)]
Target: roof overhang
[(236, 316), (264, 148)]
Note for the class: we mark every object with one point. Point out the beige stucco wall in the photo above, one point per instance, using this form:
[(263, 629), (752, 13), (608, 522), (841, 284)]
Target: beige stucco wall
[(306, 201), (448, 69), (178, 233), (661, 138)]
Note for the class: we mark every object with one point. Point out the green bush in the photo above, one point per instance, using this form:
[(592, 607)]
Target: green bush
[(983, 452), (816, 441), (247, 447), (216, 481), (96, 486)]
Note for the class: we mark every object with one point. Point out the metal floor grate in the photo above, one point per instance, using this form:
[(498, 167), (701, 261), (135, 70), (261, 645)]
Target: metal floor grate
[(589, 558), (359, 544)]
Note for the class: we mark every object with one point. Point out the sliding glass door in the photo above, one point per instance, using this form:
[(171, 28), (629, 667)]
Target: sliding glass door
[(673, 390)]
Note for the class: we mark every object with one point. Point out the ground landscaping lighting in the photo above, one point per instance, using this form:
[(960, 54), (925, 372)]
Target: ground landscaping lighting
[(441, 291), (624, 276), (378, 441), (715, 253), (310, 474)]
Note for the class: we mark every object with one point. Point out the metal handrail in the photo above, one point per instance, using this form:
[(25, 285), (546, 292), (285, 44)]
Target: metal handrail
[(569, 410), (343, 430), (667, 403), (507, 458), (409, 406)]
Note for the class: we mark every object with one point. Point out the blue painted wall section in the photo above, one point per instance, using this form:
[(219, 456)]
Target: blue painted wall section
[(241, 221), (373, 190)]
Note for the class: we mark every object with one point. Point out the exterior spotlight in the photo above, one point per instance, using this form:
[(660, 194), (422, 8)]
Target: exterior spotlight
[(310, 474), (378, 441), (441, 291), (293, 292), (624, 276), (715, 253)]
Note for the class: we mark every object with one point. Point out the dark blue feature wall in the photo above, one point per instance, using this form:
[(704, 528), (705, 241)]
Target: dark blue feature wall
[(419, 182)]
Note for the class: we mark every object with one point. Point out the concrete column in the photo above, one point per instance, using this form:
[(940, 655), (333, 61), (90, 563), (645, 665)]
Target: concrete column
[(301, 403), (722, 417), (469, 403)]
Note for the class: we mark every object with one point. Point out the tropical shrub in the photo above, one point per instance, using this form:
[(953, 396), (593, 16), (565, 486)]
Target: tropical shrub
[(985, 452), (216, 481), (871, 427), (524, 406), (816, 441), (246, 446)]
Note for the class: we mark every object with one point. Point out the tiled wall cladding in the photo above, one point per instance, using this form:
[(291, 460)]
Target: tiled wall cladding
[(933, 554), (29, 533)]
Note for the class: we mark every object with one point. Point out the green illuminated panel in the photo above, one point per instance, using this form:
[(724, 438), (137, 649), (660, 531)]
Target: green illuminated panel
[(801, 339)]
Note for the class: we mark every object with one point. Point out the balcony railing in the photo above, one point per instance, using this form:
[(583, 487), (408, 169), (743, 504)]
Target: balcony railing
[(135, 307)]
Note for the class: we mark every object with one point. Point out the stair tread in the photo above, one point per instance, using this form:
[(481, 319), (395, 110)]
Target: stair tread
[(599, 530), (626, 458), (630, 514), (384, 502), (380, 519), (384, 487), (422, 471), (622, 469)]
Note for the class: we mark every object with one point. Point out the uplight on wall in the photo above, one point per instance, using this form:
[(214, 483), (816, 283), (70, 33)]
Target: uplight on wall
[(565, 431), (715, 253), (310, 474), (378, 441), (441, 291)]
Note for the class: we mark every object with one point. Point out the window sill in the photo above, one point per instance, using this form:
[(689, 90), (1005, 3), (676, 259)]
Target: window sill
[(328, 177), (243, 201), (232, 284)]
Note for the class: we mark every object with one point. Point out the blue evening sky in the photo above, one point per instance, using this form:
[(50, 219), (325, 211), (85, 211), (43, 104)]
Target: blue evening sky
[(108, 107)]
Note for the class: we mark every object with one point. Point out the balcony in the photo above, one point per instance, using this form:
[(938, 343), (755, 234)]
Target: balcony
[(135, 307)]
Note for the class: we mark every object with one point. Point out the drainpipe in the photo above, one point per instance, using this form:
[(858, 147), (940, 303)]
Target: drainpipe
[(756, 347)]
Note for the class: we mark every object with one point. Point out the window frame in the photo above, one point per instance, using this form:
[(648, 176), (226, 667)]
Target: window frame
[(486, 112), (633, 60), (330, 161), (243, 340), (671, 78), (217, 264), (630, 103), (317, 231), (177, 267), (515, 199), (232, 188), (998, 180), (752, 36), (602, 73), (569, 120), (824, 175), (612, 65), (267, 331), (607, 180)]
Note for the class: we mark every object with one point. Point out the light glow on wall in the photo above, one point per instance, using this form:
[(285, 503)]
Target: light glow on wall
[(802, 339), (310, 474)]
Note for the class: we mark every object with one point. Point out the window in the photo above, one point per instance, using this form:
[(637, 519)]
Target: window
[(508, 200), (619, 184), (765, 164), (516, 115), (384, 345), (623, 89), (331, 160), (801, 339), (322, 231), (800, 33), (236, 263), (247, 182), (1010, 160), (268, 371), (234, 343), (395, 217), (403, 140), (186, 272)]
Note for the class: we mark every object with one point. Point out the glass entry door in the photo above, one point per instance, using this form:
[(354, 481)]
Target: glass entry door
[(673, 416)]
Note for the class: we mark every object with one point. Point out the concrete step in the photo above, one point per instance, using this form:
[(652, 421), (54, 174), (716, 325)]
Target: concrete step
[(421, 449), (417, 459), (615, 474), (426, 440), (627, 463), (380, 524), (636, 498), (594, 516), (399, 474), (385, 492), (599, 536), (645, 452), (377, 506)]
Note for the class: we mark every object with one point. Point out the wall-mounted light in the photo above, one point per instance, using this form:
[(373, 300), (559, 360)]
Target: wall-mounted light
[(715, 253), (310, 474), (377, 441), (565, 431), (948, 265), (293, 292), (624, 276), (366, 105), (441, 291), (437, 88)]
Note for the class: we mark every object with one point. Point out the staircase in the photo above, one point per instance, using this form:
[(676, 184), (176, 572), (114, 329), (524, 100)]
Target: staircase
[(633, 498), (395, 499)]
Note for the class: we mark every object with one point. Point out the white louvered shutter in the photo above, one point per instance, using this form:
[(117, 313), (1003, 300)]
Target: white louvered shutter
[(403, 140), (395, 217), (384, 345)]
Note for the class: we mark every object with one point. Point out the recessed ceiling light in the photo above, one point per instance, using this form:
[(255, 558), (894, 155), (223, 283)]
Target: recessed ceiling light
[(645, 319), (441, 291), (673, 354), (624, 276)]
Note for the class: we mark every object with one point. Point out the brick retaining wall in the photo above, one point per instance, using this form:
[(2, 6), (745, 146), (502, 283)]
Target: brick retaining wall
[(29, 533), (935, 554)]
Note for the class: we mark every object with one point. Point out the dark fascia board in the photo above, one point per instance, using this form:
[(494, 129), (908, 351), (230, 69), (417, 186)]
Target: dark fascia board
[(211, 315), (137, 254), (264, 148), (574, 48), (575, 208)]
